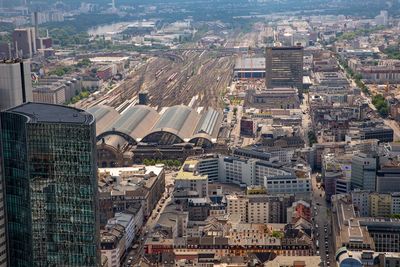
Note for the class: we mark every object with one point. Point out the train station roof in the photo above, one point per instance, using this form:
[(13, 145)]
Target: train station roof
[(138, 122)]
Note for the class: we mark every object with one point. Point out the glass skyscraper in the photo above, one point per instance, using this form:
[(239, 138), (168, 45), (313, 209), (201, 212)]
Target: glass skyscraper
[(3, 240), (51, 185), (284, 67)]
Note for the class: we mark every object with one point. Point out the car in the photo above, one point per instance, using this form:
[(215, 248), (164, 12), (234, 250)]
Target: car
[(130, 258), (318, 204)]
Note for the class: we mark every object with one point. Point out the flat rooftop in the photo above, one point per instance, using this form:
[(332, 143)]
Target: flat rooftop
[(188, 171), (116, 172), (49, 113), (256, 63)]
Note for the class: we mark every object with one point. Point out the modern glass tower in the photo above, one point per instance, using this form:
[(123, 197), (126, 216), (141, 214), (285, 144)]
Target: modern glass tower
[(3, 240), (51, 185), (284, 67)]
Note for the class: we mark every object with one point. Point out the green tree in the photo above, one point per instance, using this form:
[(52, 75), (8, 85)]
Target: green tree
[(312, 138), (381, 105)]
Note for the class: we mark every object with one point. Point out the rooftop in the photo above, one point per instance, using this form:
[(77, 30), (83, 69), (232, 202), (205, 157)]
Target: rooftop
[(188, 171), (49, 113), (250, 63)]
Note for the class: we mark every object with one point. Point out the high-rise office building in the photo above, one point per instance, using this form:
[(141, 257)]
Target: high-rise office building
[(51, 185), (284, 67), (15, 83), (3, 240), (24, 42), (363, 172)]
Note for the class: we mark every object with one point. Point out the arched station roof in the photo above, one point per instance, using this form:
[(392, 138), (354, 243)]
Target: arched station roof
[(177, 124)]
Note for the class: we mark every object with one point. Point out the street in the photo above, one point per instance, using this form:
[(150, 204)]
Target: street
[(134, 254), (306, 118), (322, 224)]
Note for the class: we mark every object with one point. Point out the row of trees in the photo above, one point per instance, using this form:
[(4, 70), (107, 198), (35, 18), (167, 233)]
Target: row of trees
[(381, 105), (357, 77), (78, 96), (393, 52), (61, 71), (312, 138), (361, 32)]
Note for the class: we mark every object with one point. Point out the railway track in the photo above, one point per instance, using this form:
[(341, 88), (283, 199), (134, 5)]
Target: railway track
[(172, 82)]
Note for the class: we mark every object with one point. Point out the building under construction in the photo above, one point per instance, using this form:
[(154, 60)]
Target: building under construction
[(249, 67)]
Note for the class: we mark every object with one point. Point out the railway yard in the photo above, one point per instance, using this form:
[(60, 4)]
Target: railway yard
[(191, 77)]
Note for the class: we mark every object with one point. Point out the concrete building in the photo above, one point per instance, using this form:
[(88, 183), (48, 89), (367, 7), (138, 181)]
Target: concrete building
[(122, 188), (380, 205), (382, 133), (15, 83), (360, 200), (246, 68), (284, 67), (276, 98), (188, 178), (24, 42), (388, 176), (56, 90), (363, 172), (113, 245), (250, 171), (130, 222), (198, 208), (259, 208), (331, 79), (374, 204), (289, 184), (363, 233), (209, 165), (336, 173)]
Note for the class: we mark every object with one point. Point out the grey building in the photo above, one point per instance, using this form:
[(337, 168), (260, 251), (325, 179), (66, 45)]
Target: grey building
[(24, 42), (51, 186), (363, 172), (382, 133), (15, 83), (284, 67), (388, 178)]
